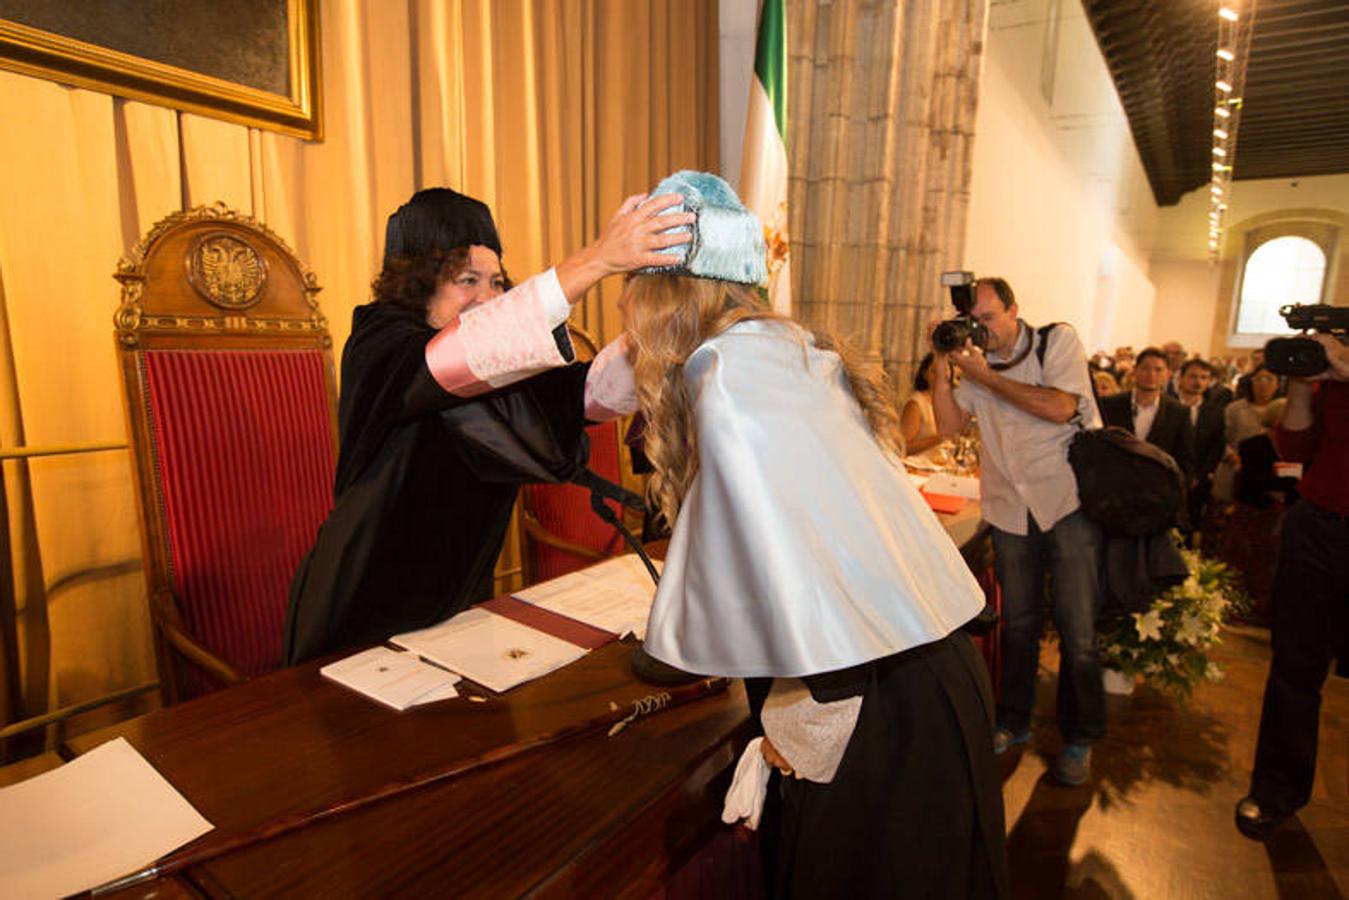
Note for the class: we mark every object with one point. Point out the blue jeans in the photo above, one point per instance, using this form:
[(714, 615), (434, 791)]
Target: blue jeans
[(1070, 553)]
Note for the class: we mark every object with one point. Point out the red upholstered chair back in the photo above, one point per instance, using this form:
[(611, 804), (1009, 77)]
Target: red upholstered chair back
[(227, 366), (563, 511)]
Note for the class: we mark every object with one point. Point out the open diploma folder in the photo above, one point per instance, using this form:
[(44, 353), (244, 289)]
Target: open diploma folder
[(398, 680), (496, 652), (614, 595)]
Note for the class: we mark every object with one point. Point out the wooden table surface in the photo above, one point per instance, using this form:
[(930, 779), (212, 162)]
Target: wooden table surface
[(587, 814), (292, 743)]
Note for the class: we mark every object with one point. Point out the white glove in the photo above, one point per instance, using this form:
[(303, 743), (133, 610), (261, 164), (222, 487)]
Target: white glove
[(749, 788)]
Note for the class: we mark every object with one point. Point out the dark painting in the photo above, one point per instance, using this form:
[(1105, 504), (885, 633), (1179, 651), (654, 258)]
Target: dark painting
[(250, 61)]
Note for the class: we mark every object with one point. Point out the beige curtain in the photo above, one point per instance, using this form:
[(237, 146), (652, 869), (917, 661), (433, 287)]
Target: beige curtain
[(882, 104), (550, 110)]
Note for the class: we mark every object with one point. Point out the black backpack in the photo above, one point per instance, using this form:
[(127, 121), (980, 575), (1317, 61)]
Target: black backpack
[(1127, 486)]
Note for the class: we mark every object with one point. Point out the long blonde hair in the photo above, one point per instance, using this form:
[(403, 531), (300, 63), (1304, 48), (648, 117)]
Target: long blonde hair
[(670, 316)]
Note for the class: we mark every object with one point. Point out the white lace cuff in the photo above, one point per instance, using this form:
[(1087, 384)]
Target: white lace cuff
[(502, 341), (811, 736), (611, 388)]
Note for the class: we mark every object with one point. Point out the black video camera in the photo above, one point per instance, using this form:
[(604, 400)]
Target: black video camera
[(1303, 356), (951, 334)]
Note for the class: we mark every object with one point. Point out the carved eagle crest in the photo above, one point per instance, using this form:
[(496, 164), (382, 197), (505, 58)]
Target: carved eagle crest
[(227, 271)]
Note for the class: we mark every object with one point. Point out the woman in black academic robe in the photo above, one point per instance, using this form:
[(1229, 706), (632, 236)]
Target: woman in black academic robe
[(453, 394)]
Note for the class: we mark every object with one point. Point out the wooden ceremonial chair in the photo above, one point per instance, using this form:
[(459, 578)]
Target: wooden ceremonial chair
[(561, 532), (230, 398)]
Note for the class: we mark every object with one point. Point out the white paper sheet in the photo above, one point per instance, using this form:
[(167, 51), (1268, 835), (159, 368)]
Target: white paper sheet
[(496, 652), (953, 486), (614, 595), (397, 680), (97, 818)]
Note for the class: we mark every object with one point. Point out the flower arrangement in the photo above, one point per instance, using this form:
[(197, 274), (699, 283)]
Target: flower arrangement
[(1169, 643)]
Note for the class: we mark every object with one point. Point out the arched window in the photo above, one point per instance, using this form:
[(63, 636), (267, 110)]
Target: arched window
[(1283, 270)]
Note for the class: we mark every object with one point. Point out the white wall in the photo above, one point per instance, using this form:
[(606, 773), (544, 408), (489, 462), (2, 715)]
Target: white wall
[(1059, 202), (1187, 290), (1189, 286)]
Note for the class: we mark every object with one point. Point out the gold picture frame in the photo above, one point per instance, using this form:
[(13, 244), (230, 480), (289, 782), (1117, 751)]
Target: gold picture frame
[(294, 109)]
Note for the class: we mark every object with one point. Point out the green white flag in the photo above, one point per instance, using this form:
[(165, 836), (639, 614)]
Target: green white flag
[(763, 171)]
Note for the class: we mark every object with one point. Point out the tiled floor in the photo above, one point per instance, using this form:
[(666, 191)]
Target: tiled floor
[(1156, 819)]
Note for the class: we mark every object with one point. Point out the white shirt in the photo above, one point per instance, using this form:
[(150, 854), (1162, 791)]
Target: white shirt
[(1192, 408), (1024, 458), (1144, 416)]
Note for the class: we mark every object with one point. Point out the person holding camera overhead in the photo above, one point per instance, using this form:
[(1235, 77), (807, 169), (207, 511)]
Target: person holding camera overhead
[(1311, 594), (1030, 389)]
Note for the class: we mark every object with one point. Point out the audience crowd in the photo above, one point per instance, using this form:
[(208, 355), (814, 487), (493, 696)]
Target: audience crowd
[(1237, 489), (1240, 436), (1216, 417)]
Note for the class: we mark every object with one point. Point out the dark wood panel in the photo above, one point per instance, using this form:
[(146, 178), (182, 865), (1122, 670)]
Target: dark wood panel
[(591, 817), (292, 741)]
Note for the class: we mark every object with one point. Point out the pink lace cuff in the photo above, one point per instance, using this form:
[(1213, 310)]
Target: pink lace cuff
[(611, 390), (502, 341)]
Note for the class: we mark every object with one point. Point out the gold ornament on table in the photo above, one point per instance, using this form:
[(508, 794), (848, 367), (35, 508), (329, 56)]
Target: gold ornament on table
[(227, 271)]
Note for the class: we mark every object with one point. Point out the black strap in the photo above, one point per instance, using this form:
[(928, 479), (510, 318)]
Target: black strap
[(1040, 347), (1043, 343)]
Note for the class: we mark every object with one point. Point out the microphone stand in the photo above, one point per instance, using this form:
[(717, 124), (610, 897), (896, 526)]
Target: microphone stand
[(602, 489)]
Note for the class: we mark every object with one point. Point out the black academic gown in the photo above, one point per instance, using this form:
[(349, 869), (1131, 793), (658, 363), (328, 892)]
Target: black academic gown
[(425, 485), (915, 808)]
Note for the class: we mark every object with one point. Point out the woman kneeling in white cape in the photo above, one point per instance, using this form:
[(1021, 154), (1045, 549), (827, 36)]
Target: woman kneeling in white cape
[(805, 561)]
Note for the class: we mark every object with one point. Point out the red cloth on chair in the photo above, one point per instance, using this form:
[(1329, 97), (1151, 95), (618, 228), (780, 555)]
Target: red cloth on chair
[(564, 510), (244, 458), (990, 645)]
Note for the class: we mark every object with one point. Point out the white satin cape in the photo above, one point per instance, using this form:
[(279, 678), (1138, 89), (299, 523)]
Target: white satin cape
[(801, 547)]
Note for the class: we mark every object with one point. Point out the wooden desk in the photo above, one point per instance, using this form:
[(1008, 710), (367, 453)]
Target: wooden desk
[(588, 815), (622, 811)]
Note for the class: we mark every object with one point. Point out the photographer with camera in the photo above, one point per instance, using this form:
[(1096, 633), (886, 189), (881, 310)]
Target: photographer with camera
[(1311, 583), (1029, 402)]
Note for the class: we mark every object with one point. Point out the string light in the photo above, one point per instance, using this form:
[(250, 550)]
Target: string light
[(1229, 76)]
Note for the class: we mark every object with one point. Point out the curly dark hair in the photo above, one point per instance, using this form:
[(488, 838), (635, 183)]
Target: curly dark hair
[(409, 282)]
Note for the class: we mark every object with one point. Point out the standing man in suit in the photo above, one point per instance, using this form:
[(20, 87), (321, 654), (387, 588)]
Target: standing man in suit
[(1205, 403), (1151, 415), (1174, 353)]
